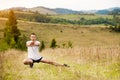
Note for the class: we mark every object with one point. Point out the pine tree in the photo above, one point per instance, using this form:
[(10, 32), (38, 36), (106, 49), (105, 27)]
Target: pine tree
[(42, 46), (53, 44), (70, 45), (116, 20), (11, 32), (21, 42)]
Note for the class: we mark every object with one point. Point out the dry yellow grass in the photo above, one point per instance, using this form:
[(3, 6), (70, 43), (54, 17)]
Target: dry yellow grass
[(78, 35), (97, 56), (87, 63)]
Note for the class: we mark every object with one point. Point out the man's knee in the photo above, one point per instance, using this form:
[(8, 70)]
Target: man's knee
[(27, 61)]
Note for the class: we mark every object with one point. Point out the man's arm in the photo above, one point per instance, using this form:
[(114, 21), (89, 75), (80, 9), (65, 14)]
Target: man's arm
[(37, 43), (32, 43)]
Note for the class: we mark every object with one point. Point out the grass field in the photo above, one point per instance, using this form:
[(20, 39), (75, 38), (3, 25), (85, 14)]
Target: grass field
[(78, 16), (88, 35), (86, 63), (95, 54)]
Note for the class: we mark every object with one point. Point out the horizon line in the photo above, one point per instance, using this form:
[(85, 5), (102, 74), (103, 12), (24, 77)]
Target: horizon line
[(61, 8)]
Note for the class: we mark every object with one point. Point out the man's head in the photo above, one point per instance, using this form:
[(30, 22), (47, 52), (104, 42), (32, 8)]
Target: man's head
[(33, 36)]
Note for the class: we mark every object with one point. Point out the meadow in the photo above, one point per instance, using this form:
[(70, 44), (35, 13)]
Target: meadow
[(86, 63), (78, 16), (78, 35), (95, 54)]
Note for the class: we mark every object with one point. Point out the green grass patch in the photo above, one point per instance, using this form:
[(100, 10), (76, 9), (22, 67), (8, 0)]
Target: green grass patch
[(78, 16)]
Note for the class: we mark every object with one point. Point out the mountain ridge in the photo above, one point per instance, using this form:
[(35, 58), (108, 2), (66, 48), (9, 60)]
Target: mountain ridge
[(50, 11)]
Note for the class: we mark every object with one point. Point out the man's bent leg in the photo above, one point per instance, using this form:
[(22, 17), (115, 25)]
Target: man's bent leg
[(27, 61)]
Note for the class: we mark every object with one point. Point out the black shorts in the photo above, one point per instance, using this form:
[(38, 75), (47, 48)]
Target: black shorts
[(37, 61)]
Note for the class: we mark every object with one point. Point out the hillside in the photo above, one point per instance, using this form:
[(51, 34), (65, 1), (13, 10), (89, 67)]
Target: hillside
[(45, 16), (89, 35), (44, 10), (66, 11), (41, 10), (95, 53)]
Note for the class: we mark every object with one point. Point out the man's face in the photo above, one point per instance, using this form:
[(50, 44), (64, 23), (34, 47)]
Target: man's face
[(33, 37)]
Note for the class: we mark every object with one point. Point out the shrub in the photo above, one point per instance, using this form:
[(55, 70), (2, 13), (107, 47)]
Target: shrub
[(53, 44), (21, 44), (42, 47), (3, 45), (69, 44)]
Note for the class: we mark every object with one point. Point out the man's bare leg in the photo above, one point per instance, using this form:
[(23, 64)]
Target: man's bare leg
[(52, 63), (28, 62)]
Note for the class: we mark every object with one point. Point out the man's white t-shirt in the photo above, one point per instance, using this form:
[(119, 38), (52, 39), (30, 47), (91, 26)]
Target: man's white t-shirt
[(33, 51)]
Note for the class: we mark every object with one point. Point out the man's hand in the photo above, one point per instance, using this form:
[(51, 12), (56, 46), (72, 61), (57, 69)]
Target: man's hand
[(32, 43)]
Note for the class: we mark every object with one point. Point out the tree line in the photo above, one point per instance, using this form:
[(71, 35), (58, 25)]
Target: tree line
[(37, 17)]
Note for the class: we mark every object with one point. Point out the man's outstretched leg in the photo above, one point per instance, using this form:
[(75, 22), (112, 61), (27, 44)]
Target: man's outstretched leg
[(53, 63)]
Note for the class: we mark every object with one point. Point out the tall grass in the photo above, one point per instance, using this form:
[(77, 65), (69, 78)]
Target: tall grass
[(86, 63), (97, 59)]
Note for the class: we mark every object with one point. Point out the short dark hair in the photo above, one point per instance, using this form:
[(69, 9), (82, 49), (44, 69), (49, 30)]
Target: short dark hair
[(33, 34)]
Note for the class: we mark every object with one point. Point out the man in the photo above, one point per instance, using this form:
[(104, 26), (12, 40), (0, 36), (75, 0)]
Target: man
[(33, 53)]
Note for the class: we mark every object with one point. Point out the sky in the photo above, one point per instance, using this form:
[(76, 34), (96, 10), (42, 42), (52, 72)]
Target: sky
[(69, 4)]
